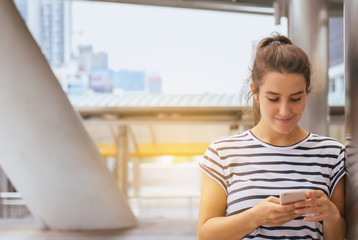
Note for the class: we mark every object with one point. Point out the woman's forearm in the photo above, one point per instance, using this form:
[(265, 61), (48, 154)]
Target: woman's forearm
[(229, 228), (335, 230)]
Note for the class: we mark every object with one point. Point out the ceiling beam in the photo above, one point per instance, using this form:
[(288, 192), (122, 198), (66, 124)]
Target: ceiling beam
[(226, 6), (263, 7)]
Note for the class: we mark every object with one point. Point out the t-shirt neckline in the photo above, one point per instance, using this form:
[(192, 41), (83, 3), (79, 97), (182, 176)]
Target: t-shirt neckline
[(276, 146)]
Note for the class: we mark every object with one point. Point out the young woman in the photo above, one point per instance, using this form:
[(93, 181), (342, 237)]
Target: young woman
[(244, 174)]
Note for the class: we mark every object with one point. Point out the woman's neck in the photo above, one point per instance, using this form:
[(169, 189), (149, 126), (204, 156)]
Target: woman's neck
[(273, 137)]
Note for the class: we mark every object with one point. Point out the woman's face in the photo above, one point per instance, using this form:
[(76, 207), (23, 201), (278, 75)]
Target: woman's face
[(282, 99)]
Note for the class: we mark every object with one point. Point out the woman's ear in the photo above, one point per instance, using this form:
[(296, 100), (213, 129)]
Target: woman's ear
[(254, 93)]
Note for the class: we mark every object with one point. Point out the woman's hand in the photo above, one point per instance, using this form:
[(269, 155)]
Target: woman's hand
[(317, 204), (270, 212)]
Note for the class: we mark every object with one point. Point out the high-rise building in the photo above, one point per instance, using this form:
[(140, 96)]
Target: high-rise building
[(129, 80), (55, 31), (89, 60), (50, 24), (85, 58), (30, 11), (154, 82), (22, 6), (101, 80)]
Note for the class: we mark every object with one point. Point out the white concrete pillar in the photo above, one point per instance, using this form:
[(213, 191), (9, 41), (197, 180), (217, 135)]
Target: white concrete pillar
[(45, 150)]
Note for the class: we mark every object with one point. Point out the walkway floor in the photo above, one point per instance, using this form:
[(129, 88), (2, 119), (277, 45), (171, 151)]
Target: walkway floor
[(148, 229), (159, 219)]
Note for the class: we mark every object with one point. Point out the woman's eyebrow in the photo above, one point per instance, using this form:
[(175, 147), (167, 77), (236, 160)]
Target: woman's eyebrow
[(278, 94), (297, 93), (272, 93)]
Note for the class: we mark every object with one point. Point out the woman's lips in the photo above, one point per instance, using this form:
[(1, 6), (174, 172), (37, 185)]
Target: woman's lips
[(284, 120)]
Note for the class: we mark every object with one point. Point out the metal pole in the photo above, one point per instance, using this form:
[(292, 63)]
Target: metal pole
[(351, 110), (308, 29)]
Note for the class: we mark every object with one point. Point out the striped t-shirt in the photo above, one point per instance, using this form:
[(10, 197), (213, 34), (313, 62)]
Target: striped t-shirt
[(250, 170)]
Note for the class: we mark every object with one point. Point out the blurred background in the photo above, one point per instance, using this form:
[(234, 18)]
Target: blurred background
[(154, 86)]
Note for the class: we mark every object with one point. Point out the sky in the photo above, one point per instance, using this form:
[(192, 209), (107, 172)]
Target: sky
[(194, 51)]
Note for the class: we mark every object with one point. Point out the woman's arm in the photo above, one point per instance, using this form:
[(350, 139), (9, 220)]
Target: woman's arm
[(335, 227), (330, 211), (213, 224)]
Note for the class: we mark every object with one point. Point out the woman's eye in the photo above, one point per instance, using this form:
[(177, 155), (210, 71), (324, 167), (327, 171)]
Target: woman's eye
[(273, 99), (295, 99)]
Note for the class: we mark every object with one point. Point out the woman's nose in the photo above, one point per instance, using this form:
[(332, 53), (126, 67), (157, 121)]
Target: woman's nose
[(284, 109)]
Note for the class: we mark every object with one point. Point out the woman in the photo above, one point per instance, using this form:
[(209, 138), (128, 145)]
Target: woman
[(244, 174)]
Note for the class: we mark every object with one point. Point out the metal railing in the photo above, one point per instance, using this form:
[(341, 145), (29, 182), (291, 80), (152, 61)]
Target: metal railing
[(13, 206)]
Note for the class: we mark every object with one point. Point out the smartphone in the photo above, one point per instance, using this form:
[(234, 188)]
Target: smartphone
[(291, 196)]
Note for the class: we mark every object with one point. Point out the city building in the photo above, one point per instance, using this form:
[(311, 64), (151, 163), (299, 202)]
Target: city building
[(154, 82), (89, 60), (129, 80), (50, 24), (101, 80)]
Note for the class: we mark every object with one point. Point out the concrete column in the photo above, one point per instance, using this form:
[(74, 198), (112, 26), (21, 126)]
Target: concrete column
[(45, 150), (136, 175), (122, 159), (351, 111), (308, 29)]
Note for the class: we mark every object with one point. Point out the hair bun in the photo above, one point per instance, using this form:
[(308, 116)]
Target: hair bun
[(275, 39)]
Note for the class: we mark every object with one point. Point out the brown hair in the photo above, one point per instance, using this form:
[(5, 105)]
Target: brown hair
[(277, 53)]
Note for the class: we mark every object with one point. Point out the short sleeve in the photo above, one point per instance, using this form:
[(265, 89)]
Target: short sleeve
[(338, 170), (211, 165)]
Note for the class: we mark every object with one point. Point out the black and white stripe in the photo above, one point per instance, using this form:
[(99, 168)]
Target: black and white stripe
[(251, 170)]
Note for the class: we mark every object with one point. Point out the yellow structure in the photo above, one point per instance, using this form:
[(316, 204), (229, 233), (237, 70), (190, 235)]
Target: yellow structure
[(157, 149)]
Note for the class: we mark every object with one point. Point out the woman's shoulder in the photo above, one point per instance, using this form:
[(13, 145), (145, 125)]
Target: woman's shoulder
[(324, 140), (237, 137)]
